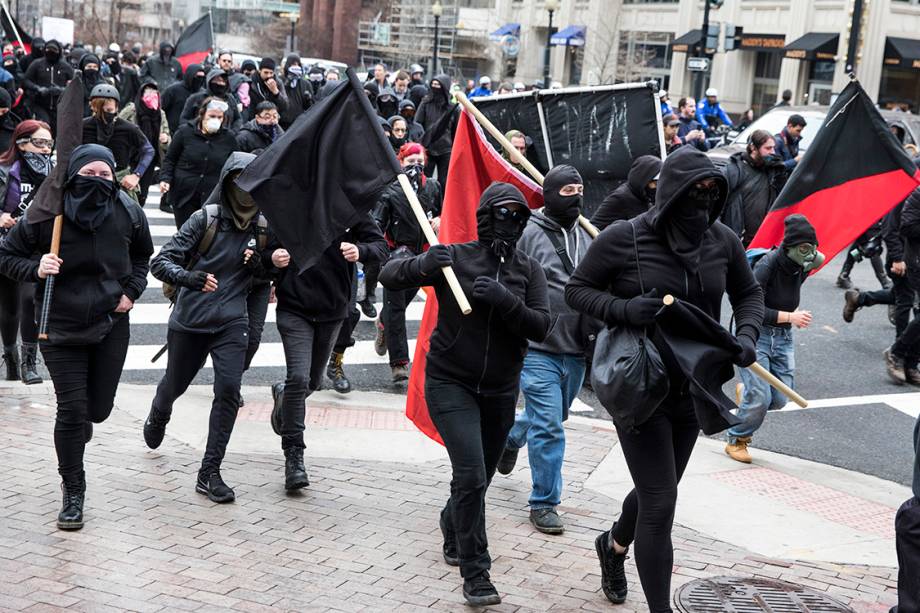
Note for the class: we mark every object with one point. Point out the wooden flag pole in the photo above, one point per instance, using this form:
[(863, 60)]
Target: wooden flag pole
[(49, 281), (762, 372), (432, 239), (514, 153)]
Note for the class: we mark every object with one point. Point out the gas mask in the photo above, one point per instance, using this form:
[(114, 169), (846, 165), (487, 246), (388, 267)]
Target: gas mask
[(807, 256), (508, 223)]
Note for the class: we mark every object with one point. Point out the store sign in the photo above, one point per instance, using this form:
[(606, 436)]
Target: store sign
[(796, 54), (763, 42)]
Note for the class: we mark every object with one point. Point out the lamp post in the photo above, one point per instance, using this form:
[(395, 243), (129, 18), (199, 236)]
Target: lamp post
[(552, 6), (293, 17), (436, 10)]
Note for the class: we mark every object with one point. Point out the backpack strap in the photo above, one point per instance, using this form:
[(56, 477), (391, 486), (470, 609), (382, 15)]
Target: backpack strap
[(559, 246), (212, 214)]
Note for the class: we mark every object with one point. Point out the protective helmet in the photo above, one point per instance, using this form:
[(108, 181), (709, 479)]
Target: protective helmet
[(104, 90), (415, 68), (712, 92)]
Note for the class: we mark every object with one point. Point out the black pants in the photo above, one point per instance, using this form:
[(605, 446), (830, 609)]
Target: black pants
[(474, 428), (907, 542), (900, 295), (439, 163), (394, 322), (877, 265), (17, 312), (344, 340), (182, 213), (307, 346), (656, 455), (146, 181), (187, 355), (85, 380), (371, 274), (907, 346), (257, 307)]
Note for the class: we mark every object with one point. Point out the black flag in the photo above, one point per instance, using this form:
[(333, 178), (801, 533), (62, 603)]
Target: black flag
[(329, 168), (195, 42), (13, 32)]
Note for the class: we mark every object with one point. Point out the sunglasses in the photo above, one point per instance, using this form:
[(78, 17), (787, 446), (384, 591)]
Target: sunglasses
[(38, 142), (504, 213), (704, 192)]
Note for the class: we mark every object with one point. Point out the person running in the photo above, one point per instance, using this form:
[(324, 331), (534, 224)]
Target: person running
[(681, 251), (633, 197), (405, 239), (195, 159), (472, 375), (145, 112), (554, 368), (101, 270), (23, 167), (211, 315)]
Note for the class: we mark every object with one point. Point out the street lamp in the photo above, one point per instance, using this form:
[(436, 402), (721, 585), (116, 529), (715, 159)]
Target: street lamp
[(552, 6), (293, 17), (436, 10)]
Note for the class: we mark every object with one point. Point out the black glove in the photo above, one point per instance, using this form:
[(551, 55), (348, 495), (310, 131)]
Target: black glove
[(196, 279), (748, 353), (494, 293), (640, 311), (254, 264), (436, 258)]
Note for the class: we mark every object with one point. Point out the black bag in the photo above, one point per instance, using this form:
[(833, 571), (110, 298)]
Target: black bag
[(627, 372)]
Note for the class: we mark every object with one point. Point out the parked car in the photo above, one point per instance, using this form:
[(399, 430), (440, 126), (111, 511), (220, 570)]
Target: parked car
[(906, 127)]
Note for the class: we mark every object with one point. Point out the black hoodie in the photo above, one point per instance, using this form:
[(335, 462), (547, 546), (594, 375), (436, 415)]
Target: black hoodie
[(162, 68), (234, 119), (629, 199), (415, 129), (176, 95), (485, 349), (607, 276), (752, 190), (432, 110)]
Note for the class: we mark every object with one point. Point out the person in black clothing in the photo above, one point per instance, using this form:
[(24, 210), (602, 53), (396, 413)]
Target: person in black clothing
[(633, 197), (430, 112), (89, 70), (415, 129), (405, 239), (472, 376), (216, 86), (682, 251), (387, 103), (780, 274), (8, 121), (44, 81), (100, 273), (210, 317), (867, 246), (267, 88), (901, 358), (907, 540), (145, 112), (37, 52), (311, 308), (195, 158), (417, 94), (261, 131), (176, 95), (130, 77), (298, 91), (163, 68), (133, 152)]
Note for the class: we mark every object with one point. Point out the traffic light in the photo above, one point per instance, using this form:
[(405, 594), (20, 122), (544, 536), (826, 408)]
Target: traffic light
[(733, 37), (712, 37)]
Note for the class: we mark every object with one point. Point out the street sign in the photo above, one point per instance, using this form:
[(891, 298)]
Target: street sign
[(698, 64)]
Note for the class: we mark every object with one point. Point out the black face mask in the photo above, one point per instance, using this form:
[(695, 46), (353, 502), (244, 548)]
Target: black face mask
[(415, 174), (90, 75), (52, 55), (40, 163), (687, 224), (507, 226), (397, 142), (218, 89), (564, 210), (114, 67), (197, 82), (650, 195), (88, 201), (109, 118), (268, 128)]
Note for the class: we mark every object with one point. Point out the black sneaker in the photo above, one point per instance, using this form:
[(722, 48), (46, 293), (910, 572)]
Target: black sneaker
[(850, 304), (71, 515), (368, 308), (895, 366), (449, 548), (214, 487), (508, 460), (277, 395), (613, 573), (155, 428), (547, 521), (844, 282), (479, 591)]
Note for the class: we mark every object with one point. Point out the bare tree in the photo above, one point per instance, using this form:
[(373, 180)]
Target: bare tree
[(603, 56)]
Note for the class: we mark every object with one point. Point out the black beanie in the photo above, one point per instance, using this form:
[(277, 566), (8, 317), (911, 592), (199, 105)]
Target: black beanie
[(5, 100), (799, 230), (267, 62)]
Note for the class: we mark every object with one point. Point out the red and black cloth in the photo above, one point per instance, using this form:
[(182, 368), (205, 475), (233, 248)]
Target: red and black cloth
[(195, 43)]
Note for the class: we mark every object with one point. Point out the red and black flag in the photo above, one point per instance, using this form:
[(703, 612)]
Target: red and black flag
[(196, 42), (329, 168), (854, 172), (13, 32)]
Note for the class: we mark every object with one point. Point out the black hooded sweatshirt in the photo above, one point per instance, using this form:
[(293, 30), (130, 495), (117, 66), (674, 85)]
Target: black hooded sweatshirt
[(629, 199), (45, 81), (163, 69), (432, 109), (190, 112), (752, 190), (176, 95), (485, 349), (415, 131), (607, 277)]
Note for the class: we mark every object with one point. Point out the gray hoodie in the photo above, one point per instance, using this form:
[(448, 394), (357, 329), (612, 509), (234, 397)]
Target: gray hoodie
[(567, 333)]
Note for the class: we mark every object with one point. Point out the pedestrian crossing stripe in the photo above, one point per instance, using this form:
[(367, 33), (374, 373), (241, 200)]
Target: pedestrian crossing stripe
[(146, 313)]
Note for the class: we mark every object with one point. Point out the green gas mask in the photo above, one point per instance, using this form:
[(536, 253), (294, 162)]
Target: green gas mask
[(806, 255)]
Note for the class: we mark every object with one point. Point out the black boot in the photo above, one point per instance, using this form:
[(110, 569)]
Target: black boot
[(28, 369), (336, 372), (479, 591), (11, 359), (295, 475), (71, 515)]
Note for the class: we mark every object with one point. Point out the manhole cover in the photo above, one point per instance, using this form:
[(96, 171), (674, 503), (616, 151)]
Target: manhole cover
[(750, 595)]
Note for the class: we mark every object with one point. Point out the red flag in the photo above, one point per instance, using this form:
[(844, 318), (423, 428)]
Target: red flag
[(474, 165), (196, 42), (853, 173), (14, 32)]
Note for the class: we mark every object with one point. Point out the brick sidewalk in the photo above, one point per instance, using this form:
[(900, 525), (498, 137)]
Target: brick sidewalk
[(363, 537)]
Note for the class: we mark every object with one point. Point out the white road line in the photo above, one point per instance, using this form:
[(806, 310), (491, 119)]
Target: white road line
[(907, 403), (158, 313)]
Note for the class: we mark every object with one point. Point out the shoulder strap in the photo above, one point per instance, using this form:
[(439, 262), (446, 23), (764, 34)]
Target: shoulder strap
[(560, 250), (212, 214), (636, 250)]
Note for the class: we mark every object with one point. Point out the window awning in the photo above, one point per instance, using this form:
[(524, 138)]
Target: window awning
[(572, 36), (813, 46), (688, 43), (512, 29), (902, 52)]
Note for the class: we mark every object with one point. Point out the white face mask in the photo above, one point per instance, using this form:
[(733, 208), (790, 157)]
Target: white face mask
[(212, 125)]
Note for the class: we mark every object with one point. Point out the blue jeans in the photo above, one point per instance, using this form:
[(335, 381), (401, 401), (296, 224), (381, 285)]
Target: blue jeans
[(549, 383), (776, 353)]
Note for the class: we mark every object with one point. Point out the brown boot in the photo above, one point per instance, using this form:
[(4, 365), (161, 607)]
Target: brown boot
[(738, 450)]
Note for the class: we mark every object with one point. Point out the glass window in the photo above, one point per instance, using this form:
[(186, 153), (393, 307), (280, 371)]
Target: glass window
[(643, 56), (899, 86), (821, 71), (768, 65)]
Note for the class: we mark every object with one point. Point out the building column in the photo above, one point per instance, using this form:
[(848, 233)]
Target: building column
[(869, 65), (345, 31), (322, 27)]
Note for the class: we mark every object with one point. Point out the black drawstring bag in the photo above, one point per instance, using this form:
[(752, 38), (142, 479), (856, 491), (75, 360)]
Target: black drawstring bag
[(627, 372)]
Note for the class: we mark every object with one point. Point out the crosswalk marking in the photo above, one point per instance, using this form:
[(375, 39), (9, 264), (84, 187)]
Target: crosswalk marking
[(159, 312)]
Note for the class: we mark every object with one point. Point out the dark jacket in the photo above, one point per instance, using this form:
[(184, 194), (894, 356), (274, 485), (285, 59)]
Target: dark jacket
[(193, 164), (98, 268), (299, 99), (234, 120), (45, 82), (485, 349), (688, 124), (7, 125), (629, 199), (781, 280), (607, 277), (910, 223), (130, 147), (252, 138), (414, 130), (209, 312), (130, 83), (176, 95), (752, 190), (322, 293), (787, 148), (891, 235), (432, 110), (164, 71), (259, 92), (396, 220)]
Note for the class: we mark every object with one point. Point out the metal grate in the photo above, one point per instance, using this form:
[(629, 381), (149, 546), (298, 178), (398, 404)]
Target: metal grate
[(751, 595)]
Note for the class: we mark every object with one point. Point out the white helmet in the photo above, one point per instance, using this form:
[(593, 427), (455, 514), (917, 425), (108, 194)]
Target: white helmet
[(484, 80), (712, 92), (663, 94)]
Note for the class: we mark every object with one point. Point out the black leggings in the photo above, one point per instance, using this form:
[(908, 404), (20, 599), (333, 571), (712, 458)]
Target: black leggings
[(17, 311), (656, 454)]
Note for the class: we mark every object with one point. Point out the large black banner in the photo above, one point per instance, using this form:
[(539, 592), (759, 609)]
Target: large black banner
[(599, 131)]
